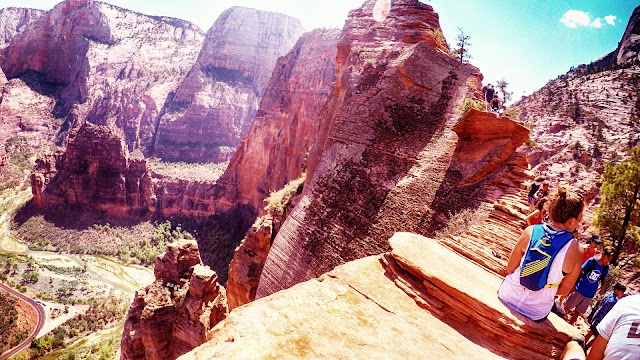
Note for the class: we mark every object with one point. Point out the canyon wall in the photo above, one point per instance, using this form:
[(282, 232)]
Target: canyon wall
[(275, 149), (206, 118), (13, 21), (84, 54), (96, 170), (382, 161), (171, 316)]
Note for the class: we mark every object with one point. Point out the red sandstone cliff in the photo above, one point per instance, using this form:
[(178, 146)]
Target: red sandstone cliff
[(96, 170), (216, 102), (86, 56), (15, 20), (384, 160), (171, 316), (275, 149)]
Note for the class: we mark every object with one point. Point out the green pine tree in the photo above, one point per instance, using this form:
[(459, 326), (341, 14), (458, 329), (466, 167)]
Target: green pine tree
[(618, 215)]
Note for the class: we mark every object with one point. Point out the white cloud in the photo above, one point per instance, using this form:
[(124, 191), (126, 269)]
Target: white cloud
[(574, 18), (610, 19)]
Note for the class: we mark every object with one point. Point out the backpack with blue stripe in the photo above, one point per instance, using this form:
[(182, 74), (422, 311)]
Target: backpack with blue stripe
[(545, 244)]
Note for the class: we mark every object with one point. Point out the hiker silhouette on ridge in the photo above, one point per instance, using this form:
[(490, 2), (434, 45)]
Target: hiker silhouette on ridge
[(487, 92)]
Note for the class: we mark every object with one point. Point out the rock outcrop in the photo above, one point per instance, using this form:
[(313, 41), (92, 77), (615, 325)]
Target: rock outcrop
[(13, 21), (206, 118), (171, 316), (385, 157), (419, 301), (275, 149), (3, 156), (629, 48), (248, 261), (85, 55), (580, 120), (96, 170)]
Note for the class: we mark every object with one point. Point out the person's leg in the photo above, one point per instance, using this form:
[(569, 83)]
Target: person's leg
[(573, 351)]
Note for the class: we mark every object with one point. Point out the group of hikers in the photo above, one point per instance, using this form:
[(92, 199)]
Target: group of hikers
[(490, 95), (549, 271)]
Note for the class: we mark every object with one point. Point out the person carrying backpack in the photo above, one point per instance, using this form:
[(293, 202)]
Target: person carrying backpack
[(488, 92), (605, 305), (533, 189), (546, 260), (495, 103), (594, 272)]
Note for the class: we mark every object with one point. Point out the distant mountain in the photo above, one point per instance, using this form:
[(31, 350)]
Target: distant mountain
[(587, 116)]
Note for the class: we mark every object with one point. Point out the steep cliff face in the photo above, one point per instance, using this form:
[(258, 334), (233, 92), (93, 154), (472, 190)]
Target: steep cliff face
[(96, 170), (15, 20), (382, 160), (419, 301), (275, 149), (215, 104), (581, 120), (171, 316), (84, 55), (629, 49)]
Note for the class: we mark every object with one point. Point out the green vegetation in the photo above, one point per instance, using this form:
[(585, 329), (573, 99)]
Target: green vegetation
[(461, 50), (10, 335), (102, 313), (136, 244), (460, 222), (502, 86), (618, 215), (187, 171), (514, 114), (277, 201), (469, 104)]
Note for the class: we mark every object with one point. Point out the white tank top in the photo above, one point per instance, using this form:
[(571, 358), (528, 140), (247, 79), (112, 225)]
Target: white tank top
[(533, 304)]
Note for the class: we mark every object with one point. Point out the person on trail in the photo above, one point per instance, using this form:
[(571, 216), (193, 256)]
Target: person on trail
[(546, 260), (603, 308), (488, 92), (533, 189), (591, 247), (495, 103), (619, 332), (618, 335), (538, 215), (544, 191), (594, 272)]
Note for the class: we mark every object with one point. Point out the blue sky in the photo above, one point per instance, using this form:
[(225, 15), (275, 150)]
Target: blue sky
[(526, 42)]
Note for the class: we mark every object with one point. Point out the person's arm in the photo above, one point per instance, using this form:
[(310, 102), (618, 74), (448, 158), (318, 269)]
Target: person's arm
[(519, 250), (597, 348), (529, 217), (571, 267)]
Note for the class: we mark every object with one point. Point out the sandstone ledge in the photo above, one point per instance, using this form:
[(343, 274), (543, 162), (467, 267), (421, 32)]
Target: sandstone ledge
[(440, 306)]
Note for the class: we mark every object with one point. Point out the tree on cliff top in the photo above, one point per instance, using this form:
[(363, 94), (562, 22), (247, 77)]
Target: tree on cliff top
[(619, 212), (502, 86), (461, 50)]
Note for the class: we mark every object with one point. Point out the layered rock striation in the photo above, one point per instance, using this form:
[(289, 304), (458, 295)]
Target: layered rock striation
[(275, 149), (420, 300), (210, 112), (13, 21), (84, 55), (171, 316), (96, 170), (384, 160)]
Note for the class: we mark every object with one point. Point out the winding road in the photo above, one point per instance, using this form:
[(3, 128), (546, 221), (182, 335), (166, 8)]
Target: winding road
[(41, 317)]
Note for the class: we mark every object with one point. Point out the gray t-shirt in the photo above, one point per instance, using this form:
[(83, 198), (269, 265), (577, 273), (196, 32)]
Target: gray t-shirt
[(621, 327)]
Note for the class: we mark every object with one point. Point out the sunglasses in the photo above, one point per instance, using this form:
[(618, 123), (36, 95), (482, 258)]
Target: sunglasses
[(579, 195)]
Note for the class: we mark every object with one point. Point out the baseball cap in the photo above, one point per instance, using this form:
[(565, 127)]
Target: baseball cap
[(596, 239)]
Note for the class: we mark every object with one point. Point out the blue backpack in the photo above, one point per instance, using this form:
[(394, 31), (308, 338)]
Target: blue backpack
[(544, 246)]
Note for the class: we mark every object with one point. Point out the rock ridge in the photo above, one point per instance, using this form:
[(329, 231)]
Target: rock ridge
[(430, 299), (171, 316), (214, 105)]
